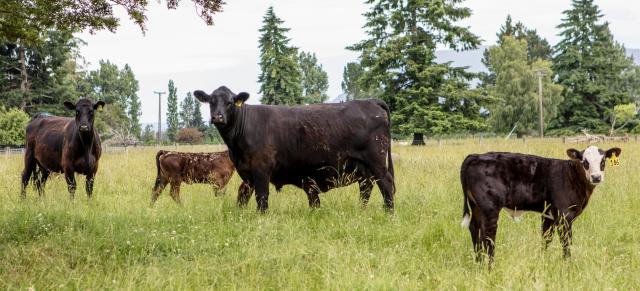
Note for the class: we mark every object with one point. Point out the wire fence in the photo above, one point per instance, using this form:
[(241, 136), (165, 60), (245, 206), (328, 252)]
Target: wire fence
[(5, 150)]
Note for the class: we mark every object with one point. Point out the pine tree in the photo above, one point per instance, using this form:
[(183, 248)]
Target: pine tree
[(172, 112), (590, 65), (197, 119), (187, 111), (130, 89), (315, 81), (280, 74), (425, 97), (516, 88)]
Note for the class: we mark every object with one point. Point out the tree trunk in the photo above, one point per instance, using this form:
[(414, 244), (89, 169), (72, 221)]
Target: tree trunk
[(23, 76), (418, 139)]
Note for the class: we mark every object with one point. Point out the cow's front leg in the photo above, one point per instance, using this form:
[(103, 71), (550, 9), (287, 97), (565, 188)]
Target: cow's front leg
[(89, 184), (71, 181), (566, 234), (366, 185), (261, 184), (548, 228), (244, 194)]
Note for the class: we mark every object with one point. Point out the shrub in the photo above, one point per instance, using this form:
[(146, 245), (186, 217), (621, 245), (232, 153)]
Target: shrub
[(13, 123), (189, 135)]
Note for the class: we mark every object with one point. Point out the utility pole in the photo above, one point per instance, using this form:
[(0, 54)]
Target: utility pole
[(540, 74), (159, 114)]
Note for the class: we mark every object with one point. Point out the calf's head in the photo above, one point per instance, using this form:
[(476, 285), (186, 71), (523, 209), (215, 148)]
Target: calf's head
[(85, 113), (593, 161), (222, 104)]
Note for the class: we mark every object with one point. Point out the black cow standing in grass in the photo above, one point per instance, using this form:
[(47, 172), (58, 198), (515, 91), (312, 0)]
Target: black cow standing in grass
[(315, 147), (559, 189), (62, 145)]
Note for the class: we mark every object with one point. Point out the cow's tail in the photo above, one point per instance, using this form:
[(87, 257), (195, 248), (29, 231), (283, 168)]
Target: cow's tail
[(389, 159), (466, 214), (158, 155)]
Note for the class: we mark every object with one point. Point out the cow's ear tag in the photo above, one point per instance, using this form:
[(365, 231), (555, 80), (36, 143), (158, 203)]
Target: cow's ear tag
[(613, 160), (239, 103), (99, 108)]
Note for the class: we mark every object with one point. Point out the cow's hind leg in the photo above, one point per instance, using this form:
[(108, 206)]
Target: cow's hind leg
[(311, 188), (490, 229), (244, 193), (476, 230), (28, 171), (384, 179), (175, 192), (161, 183), (41, 181)]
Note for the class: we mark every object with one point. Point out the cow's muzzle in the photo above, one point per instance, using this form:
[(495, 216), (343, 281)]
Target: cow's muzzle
[(217, 119), (595, 179), (84, 128)]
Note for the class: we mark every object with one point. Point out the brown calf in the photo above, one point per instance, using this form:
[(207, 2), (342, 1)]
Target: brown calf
[(176, 167)]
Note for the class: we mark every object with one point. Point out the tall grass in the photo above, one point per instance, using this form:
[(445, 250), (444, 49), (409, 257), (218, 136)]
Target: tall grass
[(116, 241)]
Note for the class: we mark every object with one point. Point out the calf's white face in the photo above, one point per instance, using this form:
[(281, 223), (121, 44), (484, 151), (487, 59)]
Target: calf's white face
[(593, 161)]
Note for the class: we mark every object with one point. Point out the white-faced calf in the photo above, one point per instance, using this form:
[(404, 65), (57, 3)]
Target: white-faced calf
[(559, 189)]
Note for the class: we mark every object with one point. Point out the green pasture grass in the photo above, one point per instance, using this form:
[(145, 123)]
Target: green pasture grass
[(116, 241)]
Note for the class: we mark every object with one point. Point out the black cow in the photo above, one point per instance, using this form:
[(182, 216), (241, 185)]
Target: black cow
[(559, 189), (63, 145), (314, 147)]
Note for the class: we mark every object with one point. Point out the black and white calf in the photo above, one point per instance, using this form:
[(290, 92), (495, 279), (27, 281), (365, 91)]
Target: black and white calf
[(559, 189)]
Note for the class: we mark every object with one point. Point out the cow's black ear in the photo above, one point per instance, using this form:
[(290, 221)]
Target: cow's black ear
[(612, 151), (98, 105), (69, 105), (201, 96), (574, 154), (241, 98)]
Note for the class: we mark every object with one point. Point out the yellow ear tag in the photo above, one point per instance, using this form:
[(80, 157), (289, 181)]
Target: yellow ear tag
[(99, 108), (239, 103), (613, 160)]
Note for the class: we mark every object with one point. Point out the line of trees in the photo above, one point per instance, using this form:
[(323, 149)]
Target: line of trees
[(588, 80)]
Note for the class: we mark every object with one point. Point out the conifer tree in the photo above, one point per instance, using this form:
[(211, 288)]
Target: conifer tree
[(280, 74), (172, 112), (425, 97), (590, 65)]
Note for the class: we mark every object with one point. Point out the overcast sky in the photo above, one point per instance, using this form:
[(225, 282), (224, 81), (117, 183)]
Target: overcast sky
[(179, 46)]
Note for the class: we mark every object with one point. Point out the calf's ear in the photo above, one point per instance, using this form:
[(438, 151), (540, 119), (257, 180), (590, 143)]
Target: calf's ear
[(612, 151), (574, 154), (69, 105), (240, 98), (201, 96), (98, 105)]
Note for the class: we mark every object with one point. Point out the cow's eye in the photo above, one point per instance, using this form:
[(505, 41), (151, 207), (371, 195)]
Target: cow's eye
[(77, 112), (585, 164), (602, 164)]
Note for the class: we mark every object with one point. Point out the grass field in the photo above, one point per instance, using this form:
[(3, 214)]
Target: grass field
[(116, 241)]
